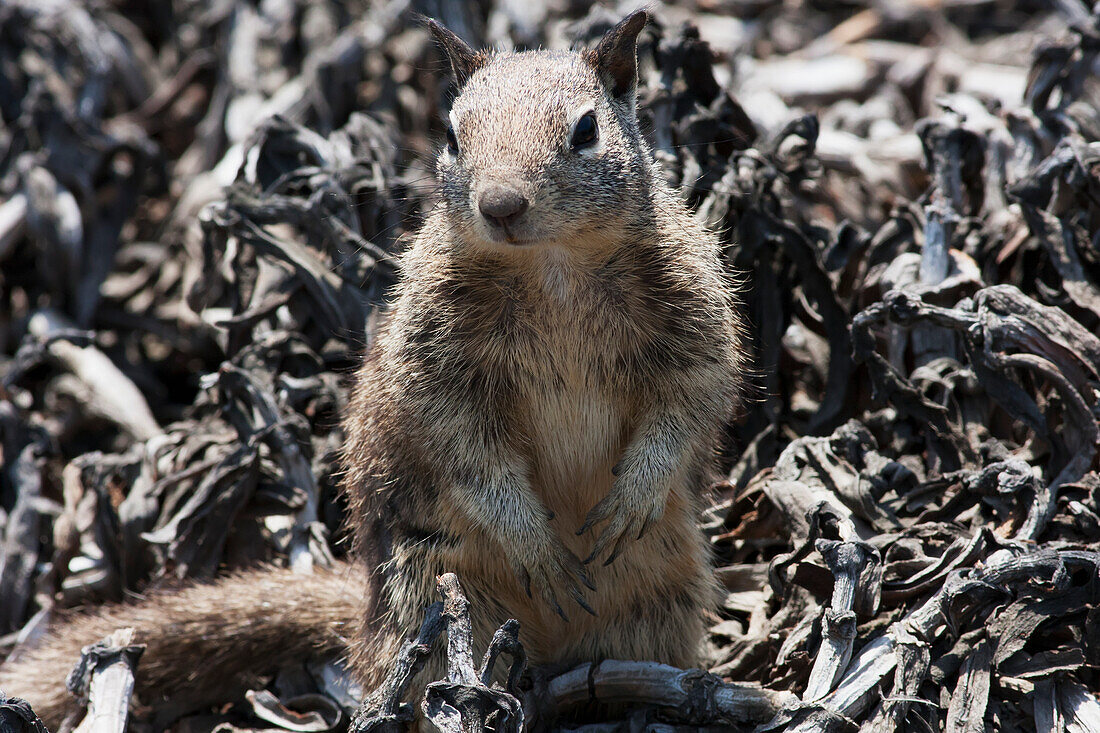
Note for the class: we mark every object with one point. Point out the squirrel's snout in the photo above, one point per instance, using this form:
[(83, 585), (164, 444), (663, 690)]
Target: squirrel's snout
[(501, 205)]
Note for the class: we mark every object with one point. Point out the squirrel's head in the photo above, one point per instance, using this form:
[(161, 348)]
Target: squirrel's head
[(543, 147)]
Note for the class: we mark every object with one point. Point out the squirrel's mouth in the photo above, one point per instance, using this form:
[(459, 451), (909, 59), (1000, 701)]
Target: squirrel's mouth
[(510, 234)]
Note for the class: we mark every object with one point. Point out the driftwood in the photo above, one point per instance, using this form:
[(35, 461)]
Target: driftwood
[(469, 700), (385, 709), (104, 677), (688, 694), (466, 700)]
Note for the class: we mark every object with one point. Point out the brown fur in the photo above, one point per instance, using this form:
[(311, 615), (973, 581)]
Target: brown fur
[(204, 643), (517, 370), (573, 371)]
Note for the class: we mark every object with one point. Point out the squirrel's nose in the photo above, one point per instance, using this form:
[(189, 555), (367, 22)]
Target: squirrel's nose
[(501, 205)]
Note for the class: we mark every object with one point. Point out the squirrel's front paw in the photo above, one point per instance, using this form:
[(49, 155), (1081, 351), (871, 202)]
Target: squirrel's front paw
[(630, 509), (555, 573)]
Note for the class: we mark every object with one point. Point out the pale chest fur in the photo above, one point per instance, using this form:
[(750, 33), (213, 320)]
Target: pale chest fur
[(576, 438), (575, 408)]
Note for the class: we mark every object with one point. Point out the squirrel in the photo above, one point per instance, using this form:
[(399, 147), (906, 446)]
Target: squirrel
[(538, 413)]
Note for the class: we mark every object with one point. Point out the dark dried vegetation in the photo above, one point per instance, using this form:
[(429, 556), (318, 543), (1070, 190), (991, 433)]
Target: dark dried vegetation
[(199, 207)]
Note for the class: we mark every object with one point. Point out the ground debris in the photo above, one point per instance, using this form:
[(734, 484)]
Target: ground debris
[(200, 205)]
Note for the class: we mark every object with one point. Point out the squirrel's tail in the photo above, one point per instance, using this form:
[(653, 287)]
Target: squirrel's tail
[(204, 643)]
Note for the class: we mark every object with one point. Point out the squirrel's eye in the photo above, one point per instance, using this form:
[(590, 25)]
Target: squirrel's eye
[(585, 132), (452, 140)]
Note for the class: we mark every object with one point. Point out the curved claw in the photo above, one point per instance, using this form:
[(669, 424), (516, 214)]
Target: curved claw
[(525, 580), (620, 545), (555, 574), (582, 602), (610, 533), (618, 535), (596, 514), (576, 566), (585, 579), (646, 526)]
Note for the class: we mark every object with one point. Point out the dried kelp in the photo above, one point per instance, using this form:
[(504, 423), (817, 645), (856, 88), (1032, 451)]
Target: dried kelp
[(200, 206)]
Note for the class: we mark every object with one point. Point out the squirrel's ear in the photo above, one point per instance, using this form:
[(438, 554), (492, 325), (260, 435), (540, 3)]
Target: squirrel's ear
[(616, 58), (464, 60)]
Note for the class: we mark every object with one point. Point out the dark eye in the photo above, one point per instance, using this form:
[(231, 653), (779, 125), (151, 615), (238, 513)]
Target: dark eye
[(585, 132), (452, 140)]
